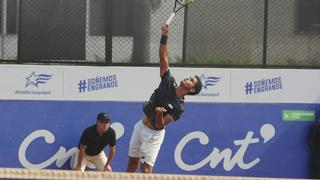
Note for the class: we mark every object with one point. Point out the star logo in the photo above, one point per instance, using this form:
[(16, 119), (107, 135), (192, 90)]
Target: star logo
[(31, 80), (34, 79)]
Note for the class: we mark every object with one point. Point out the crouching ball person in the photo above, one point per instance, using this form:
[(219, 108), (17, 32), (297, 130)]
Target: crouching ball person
[(92, 143), (165, 105)]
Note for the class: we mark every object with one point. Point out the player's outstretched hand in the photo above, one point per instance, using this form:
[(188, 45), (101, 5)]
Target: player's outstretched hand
[(165, 30)]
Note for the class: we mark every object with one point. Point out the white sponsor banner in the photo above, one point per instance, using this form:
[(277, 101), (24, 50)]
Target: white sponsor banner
[(138, 83), (275, 86), (29, 82), (110, 83), (216, 83)]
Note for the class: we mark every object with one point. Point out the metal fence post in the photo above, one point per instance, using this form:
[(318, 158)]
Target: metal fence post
[(265, 33), (108, 33), (184, 40)]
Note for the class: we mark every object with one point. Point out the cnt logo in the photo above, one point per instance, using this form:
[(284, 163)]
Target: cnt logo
[(34, 80)]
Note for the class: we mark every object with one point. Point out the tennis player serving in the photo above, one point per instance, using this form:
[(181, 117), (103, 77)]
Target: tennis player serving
[(165, 105)]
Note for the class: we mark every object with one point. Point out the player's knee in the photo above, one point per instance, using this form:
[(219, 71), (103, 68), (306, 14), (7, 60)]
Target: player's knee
[(133, 164), (131, 168), (134, 160), (146, 168)]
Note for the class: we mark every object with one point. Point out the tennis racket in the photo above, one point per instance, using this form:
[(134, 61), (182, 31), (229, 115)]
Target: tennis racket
[(178, 5)]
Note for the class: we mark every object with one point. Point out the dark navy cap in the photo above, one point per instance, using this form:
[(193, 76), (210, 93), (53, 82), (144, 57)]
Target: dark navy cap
[(103, 117)]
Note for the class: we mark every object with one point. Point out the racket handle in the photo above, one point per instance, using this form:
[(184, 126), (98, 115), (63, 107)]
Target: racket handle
[(170, 18)]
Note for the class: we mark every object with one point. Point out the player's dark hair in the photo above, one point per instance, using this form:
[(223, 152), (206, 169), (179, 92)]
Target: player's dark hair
[(197, 86)]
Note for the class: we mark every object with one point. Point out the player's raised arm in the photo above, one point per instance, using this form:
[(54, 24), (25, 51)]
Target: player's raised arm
[(163, 50)]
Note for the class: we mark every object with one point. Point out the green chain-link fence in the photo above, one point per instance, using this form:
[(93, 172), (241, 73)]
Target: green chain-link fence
[(253, 33)]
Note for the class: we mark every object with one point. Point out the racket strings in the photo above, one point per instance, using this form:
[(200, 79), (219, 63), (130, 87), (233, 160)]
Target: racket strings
[(182, 4)]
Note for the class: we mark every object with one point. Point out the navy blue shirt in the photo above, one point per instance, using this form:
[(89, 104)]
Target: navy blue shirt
[(164, 96), (96, 143)]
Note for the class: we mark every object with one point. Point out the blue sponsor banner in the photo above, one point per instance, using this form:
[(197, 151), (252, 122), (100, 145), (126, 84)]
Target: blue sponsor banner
[(229, 139)]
